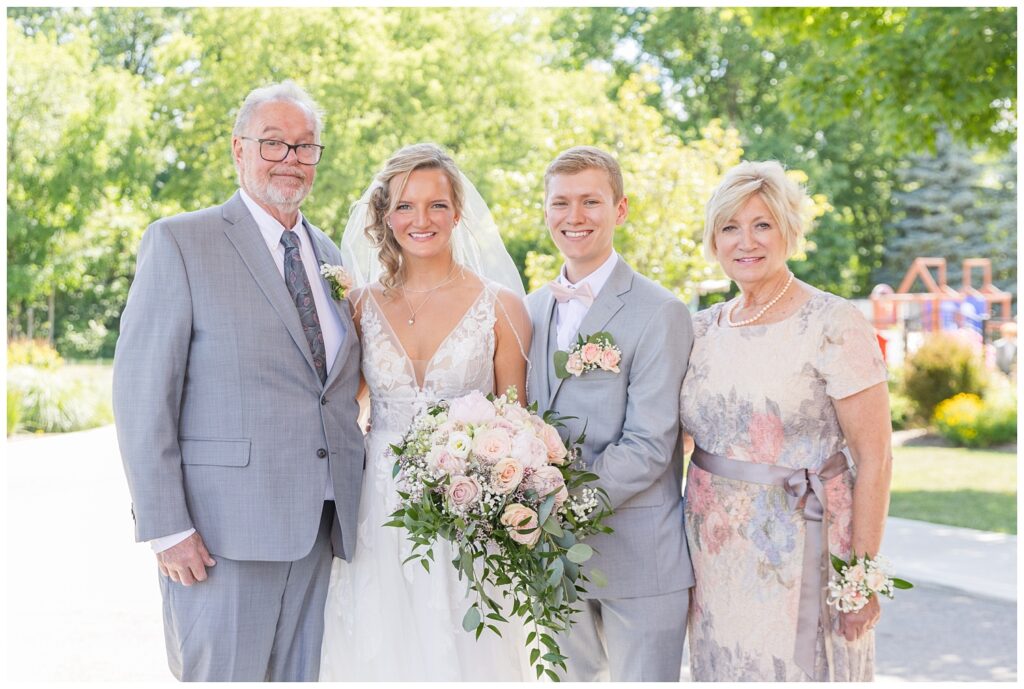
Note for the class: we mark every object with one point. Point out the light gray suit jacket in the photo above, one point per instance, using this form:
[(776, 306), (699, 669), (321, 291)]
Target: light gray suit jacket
[(632, 427), (222, 420)]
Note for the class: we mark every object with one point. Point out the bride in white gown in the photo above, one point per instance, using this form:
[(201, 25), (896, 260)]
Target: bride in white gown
[(430, 328)]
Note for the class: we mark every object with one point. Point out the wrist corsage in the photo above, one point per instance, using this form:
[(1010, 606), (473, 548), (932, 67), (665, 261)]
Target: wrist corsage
[(338, 278), (598, 351), (859, 579)]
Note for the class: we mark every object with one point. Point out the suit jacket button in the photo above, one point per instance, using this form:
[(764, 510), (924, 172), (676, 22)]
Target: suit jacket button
[(323, 400), (321, 453)]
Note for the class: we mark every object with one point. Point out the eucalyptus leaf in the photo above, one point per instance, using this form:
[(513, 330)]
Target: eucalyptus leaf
[(552, 527), (472, 619), (901, 584), (579, 553), (598, 578)]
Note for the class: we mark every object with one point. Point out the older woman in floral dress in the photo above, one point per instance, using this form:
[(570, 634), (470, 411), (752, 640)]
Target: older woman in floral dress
[(781, 381)]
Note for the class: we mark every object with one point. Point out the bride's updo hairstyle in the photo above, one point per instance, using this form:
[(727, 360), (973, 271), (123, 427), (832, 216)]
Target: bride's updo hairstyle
[(425, 156)]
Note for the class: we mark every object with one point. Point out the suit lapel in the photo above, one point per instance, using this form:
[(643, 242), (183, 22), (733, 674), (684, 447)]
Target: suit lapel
[(244, 234), (341, 307), (605, 306), (546, 331)]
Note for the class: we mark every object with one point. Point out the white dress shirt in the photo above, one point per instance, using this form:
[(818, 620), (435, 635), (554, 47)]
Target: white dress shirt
[(330, 321), (569, 314)]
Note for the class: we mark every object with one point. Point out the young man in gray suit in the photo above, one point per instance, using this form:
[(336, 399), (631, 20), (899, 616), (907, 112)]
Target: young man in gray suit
[(235, 379), (632, 629)]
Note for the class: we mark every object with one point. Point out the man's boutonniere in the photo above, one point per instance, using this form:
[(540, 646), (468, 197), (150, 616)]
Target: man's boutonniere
[(338, 278), (596, 352)]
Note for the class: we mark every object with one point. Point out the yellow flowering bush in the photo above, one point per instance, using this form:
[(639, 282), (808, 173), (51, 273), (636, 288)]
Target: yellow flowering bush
[(966, 419)]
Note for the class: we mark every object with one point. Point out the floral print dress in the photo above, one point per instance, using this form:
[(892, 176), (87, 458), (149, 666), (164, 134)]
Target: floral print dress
[(763, 393)]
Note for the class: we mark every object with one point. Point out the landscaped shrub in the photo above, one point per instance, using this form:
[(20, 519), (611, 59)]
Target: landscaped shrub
[(901, 410), (966, 419), (13, 410), (49, 401), (942, 367), (37, 353)]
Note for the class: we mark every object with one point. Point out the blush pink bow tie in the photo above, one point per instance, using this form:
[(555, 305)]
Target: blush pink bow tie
[(562, 294)]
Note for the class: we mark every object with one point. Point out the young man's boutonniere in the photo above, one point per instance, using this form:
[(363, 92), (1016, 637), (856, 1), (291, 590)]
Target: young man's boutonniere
[(338, 278), (596, 352)]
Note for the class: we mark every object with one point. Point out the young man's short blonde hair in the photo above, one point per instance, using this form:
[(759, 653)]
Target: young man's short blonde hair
[(580, 158), (784, 197)]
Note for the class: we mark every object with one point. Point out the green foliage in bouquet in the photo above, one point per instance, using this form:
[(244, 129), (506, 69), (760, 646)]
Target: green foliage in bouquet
[(497, 482)]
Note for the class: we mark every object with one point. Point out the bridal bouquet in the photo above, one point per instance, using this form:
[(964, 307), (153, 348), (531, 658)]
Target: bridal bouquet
[(497, 481)]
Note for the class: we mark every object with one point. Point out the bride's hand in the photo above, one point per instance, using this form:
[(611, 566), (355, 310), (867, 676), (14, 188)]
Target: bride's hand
[(854, 625)]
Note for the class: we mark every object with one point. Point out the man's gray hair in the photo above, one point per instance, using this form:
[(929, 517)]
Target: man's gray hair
[(285, 91)]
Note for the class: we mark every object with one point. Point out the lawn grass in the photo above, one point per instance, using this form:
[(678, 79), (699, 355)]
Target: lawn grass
[(976, 489)]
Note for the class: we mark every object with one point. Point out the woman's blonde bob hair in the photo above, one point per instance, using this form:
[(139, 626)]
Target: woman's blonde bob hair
[(784, 197), (423, 156)]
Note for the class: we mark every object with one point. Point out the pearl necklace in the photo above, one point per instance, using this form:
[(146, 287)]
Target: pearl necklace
[(763, 311)]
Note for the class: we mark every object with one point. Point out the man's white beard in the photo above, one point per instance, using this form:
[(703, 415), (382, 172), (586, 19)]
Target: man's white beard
[(272, 195)]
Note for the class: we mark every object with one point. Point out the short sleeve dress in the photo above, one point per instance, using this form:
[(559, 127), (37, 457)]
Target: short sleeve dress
[(763, 393)]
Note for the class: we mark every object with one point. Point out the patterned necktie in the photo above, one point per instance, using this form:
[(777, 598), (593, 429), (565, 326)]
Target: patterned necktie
[(562, 294), (298, 286)]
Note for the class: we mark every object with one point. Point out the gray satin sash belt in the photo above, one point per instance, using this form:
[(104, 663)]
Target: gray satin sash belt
[(798, 484)]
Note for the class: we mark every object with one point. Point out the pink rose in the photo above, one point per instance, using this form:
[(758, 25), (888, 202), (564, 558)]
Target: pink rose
[(554, 445), (610, 359), (473, 408), (519, 518), (590, 353), (875, 580), (766, 438), (440, 459), (574, 365), (516, 414), (506, 475), (545, 481), (561, 496), (530, 450), (463, 491), (856, 574), (491, 444)]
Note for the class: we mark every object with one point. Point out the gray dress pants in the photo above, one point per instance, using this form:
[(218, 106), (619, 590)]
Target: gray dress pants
[(251, 621)]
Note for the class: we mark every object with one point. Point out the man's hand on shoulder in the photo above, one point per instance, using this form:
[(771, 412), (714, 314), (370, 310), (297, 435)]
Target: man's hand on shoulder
[(187, 561)]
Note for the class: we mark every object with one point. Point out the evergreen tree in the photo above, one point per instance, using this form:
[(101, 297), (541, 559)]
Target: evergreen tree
[(952, 205)]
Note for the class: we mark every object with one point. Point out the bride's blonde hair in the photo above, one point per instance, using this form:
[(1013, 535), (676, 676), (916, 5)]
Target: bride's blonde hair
[(422, 156)]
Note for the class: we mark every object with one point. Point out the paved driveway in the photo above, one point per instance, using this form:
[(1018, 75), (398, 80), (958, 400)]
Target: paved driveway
[(83, 602)]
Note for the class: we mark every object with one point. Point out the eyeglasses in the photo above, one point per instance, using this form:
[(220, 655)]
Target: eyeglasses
[(274, 151)]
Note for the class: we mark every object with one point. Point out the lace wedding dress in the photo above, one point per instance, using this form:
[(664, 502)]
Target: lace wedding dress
[(389, 621)]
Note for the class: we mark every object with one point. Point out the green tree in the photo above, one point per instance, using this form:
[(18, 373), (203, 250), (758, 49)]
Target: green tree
[(75, 138), (951, 205)]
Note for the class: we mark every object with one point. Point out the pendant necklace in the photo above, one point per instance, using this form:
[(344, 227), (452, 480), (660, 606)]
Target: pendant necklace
[(763, 311), (429, 292)]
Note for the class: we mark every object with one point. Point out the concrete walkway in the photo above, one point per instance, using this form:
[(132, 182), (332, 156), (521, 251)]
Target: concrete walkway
[(83, 602)]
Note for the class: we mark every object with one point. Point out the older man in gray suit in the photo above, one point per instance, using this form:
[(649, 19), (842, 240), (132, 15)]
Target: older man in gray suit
[(632, 629), (234, 393)]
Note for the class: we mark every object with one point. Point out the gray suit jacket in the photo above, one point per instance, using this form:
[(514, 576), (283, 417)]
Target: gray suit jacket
[(632, 427), (222, 421)]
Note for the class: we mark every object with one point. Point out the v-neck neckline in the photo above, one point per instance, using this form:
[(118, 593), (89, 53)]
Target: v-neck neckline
[(401, 347)]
